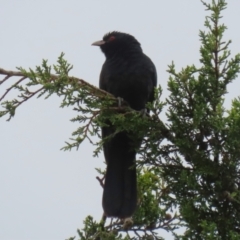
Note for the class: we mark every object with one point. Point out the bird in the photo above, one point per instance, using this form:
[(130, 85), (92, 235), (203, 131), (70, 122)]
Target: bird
[(128, 74)]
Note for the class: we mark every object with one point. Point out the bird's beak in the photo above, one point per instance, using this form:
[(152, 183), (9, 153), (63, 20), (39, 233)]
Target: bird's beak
[(98, 43)]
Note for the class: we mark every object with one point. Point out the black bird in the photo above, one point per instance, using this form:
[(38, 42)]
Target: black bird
[(129, 74)]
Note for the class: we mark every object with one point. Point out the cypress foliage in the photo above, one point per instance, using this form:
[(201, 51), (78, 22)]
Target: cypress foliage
[(188, 166)]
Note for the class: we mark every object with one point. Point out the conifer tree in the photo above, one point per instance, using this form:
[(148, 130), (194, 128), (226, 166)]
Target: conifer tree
[(188, 166)]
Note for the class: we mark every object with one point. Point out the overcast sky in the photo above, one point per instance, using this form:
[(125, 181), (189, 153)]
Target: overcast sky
[(46, 193)]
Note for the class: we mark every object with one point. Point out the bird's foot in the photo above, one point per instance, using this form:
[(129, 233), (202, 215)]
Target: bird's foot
[(128, 222), (144, 112), (120, 101)]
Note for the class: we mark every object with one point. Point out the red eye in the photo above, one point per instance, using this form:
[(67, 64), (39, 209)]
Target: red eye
[(111, 38)]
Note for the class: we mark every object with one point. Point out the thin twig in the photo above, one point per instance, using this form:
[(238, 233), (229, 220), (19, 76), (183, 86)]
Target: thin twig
[(54, 77), (9, 89), (11, 73), (5, 79), (32, 94), (101, 181)]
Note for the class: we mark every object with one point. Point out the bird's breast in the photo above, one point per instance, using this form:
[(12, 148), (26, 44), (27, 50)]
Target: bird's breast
[(130, 82)]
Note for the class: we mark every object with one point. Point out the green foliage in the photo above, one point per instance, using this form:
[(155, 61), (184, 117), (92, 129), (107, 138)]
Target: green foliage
[(207, 189), (188, 167)]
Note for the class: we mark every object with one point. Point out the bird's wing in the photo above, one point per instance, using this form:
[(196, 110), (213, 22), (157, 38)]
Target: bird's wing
[(153, 78), (103, 78)]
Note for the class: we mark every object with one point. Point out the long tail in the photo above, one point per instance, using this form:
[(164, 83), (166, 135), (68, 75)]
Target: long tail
[(120, 189)]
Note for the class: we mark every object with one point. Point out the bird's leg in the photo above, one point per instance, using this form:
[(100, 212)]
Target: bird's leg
[(144, 112), (128, 222), (102, 222), (120, 100)]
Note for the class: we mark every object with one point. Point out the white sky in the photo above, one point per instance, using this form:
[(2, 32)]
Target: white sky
[(46, 193)]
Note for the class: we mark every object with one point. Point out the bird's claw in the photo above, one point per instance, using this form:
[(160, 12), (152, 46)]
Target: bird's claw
[(143, 112), (128, 222), (120, 100)]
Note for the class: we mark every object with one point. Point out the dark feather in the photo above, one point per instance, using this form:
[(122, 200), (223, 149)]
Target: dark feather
[(127, 73)]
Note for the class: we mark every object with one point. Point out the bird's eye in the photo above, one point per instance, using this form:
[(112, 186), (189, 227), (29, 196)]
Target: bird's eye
[(111, 38)]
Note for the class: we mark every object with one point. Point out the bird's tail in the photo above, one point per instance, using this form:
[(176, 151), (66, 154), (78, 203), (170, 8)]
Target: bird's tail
[(120, 189)]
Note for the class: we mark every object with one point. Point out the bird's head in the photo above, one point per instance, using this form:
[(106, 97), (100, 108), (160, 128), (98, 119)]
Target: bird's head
[(118, 43)]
